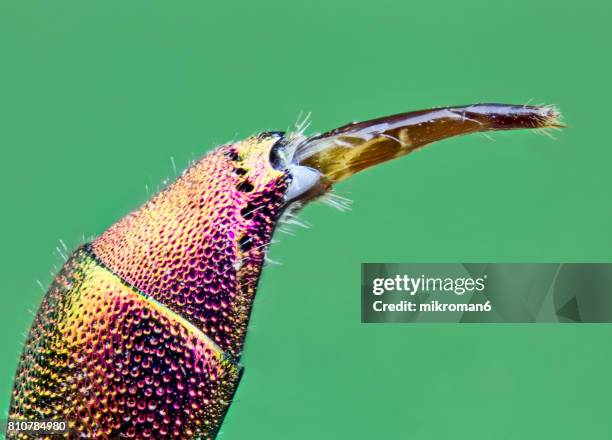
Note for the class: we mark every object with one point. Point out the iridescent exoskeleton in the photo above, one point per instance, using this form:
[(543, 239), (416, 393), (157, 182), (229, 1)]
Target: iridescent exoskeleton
[(141, 332)]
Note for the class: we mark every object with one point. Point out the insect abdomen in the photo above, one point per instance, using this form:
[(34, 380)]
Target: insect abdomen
[(141, 332)]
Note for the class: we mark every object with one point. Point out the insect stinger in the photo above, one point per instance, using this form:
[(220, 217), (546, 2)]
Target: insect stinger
[(344, 151)]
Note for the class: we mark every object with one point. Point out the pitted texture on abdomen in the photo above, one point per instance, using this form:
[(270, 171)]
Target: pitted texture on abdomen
[(109, 360), (198, 246)]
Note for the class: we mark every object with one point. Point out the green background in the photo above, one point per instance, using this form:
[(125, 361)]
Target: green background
[(96, 98)]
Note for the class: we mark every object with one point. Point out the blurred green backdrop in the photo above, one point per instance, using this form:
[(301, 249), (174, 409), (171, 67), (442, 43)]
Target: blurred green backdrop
[(96, 98)]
